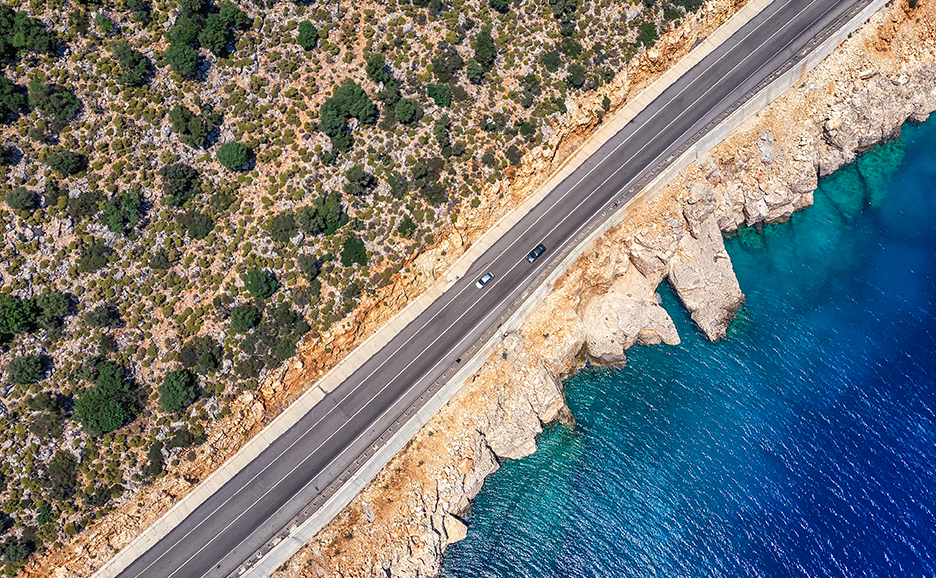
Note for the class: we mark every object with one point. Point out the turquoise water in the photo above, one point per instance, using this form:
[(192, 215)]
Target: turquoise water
[(802, 445)]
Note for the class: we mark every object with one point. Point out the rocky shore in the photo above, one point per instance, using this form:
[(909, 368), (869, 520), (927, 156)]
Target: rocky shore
[(883, 76)]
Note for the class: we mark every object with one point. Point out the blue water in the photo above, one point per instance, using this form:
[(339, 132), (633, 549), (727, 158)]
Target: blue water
[(802, 445)]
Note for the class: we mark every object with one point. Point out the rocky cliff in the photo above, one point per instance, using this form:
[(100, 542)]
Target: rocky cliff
[(884, 75)]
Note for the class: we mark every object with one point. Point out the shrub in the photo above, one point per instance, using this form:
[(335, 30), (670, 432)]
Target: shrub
[(191, 6), (485, 49), (349, 101), (282, 227), (12, 97), (441, 94), (122, 212), (177, 390), (156, 462), (24, 369), (194, 130), (180, 183), (325, 215), (133, 63), (84, 205), (53, 100), (66, 163), (20, 199), (244, 318), (233, 16), (564, 9), (107, 405), (407, 227), (647, 34), (259, 283), (94, 256), (50, 308), (576, 76), (353, 251), (551, 61), (61, 478), (310, 266), (233, 155), (203, 354), (513, 154), (308, 35), (183, 59), (215, 35)]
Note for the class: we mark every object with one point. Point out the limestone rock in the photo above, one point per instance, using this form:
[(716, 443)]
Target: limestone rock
[(702, 277), (455, 529)]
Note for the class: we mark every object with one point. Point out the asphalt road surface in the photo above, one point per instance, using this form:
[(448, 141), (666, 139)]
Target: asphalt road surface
[(261, 499)]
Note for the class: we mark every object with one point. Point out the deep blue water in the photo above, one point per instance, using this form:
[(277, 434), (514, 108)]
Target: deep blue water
[(802, 445)]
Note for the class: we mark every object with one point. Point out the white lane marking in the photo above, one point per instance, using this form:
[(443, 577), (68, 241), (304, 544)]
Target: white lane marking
[(477, 301)]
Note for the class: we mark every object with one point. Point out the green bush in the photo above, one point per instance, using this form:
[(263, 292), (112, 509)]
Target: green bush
[(24, 369), (12, 97), (564, 9), (61, 478), (576, 76), (233, 155), (447, 63), (16, 315), (474, 71), (501, 6), (183, 59), (348, 101), (244, 318), (353, 251), (647, 34), (50, 309), (103, 316), (180, 183), (67, 162), (20, 199), (551, 61), (177, 390), (198, 225), (405, 110), (308, 35), (194, 130), (441, 94), (156, 462), (259, 283), (513, 154), (108, 404)]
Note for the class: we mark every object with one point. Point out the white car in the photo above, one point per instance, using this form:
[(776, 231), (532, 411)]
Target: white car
[(484, 280)]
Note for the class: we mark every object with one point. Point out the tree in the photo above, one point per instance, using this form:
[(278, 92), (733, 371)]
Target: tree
[(50, 309), (441, 94), (474, 71), (133, 63), (485, 49), (66, 162), (20, 32), (180, 183), (405, 111), (233, 155), (191, 6), (94, 256), (215, 35), (194, 129), (501, 6), (348, 101), (53, 100), (24, 369), (15, 550), (122, 212), (16, 315), (177, 390), (513, 154), (61, 478), (259, 283), (447, 63), (325, 215), (103, 316), (183, 59), (233, 16), (282, 227), (353, 251), (308, 35), (564, 9), (576, 76), (107, 405), (203, 354), (244, 318), (20, 199), (359, 182), (12, 97), (551, 61)]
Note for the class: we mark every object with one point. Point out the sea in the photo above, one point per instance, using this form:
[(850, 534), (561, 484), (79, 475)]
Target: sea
[(804, 444)]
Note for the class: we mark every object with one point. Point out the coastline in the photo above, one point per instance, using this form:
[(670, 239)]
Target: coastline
[(882, 76)]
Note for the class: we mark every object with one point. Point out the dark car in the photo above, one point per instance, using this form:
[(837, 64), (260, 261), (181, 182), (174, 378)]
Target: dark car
[(535, 253)]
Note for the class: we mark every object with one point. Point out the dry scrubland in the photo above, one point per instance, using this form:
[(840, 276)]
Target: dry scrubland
[(187, 196)]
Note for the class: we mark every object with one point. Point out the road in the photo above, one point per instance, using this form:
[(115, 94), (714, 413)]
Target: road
[(263, 497)]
